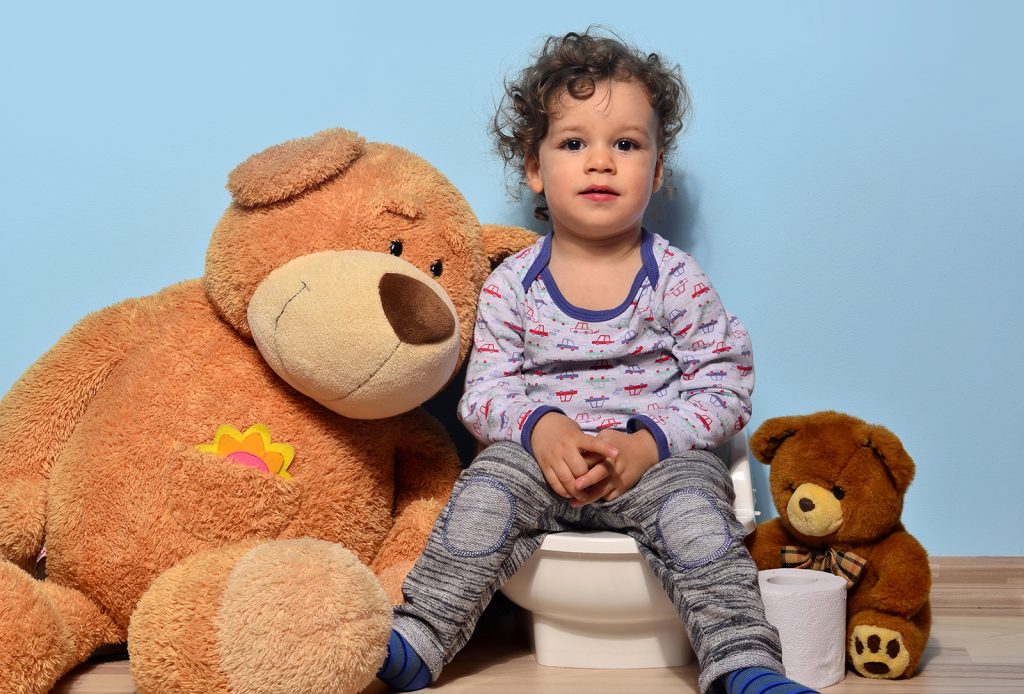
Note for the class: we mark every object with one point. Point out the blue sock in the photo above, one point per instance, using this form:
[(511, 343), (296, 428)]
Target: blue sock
[(403, 670), (759, 680)]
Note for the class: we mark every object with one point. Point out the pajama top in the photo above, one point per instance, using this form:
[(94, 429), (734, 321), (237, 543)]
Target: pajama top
[(669, 359)]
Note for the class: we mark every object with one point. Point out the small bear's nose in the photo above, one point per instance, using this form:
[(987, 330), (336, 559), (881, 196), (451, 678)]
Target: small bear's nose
[(806, 505), (416, 313)]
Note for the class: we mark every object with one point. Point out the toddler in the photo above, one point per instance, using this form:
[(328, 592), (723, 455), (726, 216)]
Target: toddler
[(604, 368)]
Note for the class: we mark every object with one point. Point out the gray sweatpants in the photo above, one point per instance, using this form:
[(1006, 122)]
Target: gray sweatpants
[(680, 513)]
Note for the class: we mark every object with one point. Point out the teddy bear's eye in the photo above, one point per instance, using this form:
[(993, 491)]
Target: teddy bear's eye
[(436, 268), (396, 248), (838, 492)]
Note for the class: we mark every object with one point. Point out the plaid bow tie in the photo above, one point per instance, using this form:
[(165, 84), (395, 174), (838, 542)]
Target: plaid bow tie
[(845, 565)]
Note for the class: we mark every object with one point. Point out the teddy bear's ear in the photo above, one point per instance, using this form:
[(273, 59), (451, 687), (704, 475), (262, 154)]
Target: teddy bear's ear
[(765, 442), (890, 451), (282, 171), (501, 241)]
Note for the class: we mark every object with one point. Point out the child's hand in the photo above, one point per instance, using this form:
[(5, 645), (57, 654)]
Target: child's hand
[(608, 477), (559, 445)]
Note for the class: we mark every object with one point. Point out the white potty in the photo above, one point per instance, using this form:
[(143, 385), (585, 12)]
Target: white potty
[(594, 601)]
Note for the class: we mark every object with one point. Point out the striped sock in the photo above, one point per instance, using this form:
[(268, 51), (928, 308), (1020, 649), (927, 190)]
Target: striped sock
[(403, 670), (759, 680)]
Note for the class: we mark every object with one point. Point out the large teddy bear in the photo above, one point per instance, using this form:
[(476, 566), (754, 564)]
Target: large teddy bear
[(838, 484), (215, 470)]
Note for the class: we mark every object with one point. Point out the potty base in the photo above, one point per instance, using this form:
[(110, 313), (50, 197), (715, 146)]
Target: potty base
[(559, 643)]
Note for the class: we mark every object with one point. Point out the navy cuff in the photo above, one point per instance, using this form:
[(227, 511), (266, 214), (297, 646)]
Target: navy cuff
[(531, 421), (644, 422)]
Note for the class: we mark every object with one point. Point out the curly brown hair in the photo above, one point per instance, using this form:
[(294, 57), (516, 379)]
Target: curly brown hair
[(574, 64)]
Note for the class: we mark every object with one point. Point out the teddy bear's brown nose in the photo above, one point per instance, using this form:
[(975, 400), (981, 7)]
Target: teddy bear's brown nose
[(416, 313), (806, 505)]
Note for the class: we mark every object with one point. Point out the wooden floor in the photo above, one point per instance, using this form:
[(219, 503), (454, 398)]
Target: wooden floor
[(976, 647)]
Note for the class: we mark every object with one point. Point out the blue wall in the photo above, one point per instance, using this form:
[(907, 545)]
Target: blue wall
[(852, 181)]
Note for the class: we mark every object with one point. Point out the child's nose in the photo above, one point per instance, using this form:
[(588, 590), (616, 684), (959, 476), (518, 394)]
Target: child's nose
[(599, 160)]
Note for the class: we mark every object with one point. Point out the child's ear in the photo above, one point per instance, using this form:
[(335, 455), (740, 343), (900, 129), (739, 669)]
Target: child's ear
[(659, 172), (531, 167)]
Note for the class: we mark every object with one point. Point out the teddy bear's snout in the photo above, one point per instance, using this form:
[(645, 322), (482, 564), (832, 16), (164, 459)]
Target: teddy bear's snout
[(414, 310), (814, 511)]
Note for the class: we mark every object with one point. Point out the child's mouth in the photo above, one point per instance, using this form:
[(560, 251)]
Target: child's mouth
[(599, 193)]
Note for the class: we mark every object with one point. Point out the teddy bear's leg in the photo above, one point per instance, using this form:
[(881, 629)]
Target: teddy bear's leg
[(45, 630), (278, 616), (885, 646)]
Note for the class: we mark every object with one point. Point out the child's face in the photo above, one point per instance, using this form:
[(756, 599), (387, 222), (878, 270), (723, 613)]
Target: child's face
[(599, 163)]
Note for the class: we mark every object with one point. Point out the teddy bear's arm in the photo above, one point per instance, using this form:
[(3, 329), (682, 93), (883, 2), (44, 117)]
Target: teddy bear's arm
[(766, 541), (41, 410), (425, 471), (904, 575)]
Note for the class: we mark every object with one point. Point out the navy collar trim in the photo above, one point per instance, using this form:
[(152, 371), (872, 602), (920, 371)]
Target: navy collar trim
[(539, 270)]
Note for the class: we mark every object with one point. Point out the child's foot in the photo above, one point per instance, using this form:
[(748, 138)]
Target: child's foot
[(758, 680), (403, 670)]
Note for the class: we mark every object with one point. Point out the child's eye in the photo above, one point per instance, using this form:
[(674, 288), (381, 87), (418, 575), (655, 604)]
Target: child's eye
[(573, 145), (625, 145)]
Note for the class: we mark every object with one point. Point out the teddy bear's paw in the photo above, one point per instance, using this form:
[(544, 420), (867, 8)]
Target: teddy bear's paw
[(877, 652), (30, 632), (281, 616), (45, 630)]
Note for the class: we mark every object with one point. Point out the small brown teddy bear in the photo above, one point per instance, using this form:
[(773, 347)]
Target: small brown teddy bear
[(216, 469), (838, 484)]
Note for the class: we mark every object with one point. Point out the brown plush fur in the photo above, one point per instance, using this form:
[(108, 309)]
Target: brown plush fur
[(857, 474), (98, 439)]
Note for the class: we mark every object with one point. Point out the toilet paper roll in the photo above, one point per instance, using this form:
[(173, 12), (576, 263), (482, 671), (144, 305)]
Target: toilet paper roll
[(809, 610)]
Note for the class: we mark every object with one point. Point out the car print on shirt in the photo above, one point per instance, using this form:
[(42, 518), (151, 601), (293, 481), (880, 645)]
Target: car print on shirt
[(602, 340), (568, 344), (679, 289), (628, 337), (487, 348), (596, 401), (708, 326), (492, 289), (721, 347), (583, 328), (566, 395), (698, 289), (608, 423), (539, 330)]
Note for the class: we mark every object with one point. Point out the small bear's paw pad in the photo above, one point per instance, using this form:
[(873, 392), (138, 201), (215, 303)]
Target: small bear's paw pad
[(877, 652)]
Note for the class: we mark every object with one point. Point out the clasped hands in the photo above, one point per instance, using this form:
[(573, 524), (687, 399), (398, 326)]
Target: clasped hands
[(583, 467)]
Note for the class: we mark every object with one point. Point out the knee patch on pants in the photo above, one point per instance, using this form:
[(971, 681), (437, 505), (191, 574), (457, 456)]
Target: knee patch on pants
[(692, 529), (479, 518)]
